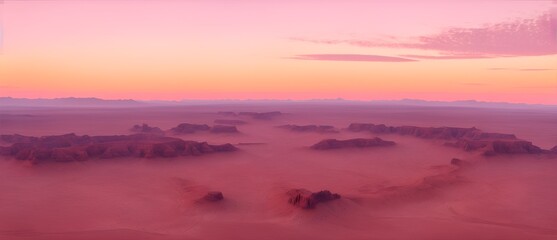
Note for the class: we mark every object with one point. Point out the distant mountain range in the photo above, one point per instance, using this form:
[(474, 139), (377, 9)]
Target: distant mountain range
[(462, 103), (67, 102), (122, 103)]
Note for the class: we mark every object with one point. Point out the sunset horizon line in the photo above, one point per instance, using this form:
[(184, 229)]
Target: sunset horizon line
[(338, 99)]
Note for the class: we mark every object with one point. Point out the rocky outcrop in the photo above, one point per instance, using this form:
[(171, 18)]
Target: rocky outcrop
[(310, 128), (186, 128), (213, 196), (13, 138), (224, 129), (306, 199), (230, 121), (468, 139), (459, 162), (496, 147), (70, 147), (351, 143), (261, 115), (468, 145), (512, 147), (446, 133), (144, 128), (222, 148)]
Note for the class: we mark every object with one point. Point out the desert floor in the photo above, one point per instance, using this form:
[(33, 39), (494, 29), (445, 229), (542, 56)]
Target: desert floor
[(501, 197)]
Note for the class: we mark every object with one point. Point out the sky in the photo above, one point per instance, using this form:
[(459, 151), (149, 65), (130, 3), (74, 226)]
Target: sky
[(486, 50)]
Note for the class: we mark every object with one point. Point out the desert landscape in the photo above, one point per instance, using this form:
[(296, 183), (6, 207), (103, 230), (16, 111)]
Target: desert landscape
[(278, 120), (278, 171)]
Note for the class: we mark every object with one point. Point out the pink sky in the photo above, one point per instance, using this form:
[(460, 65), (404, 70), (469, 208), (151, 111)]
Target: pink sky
[(435, 50)]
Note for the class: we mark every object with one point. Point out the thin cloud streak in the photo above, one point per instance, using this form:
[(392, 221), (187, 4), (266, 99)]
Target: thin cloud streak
[(351, 57), (522, 69), (536, 69), (444, 57)]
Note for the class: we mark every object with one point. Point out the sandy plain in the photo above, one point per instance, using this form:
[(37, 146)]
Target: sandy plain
[(500, 197)]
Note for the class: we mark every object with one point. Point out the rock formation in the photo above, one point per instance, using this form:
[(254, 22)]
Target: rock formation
[(70, 147), (188, 128), (310, 128), (307, 200), (224, 129), (185, 128), (468, 139), (512, 147), (351, 143), (13, 138), (446, 133), (459, 163), (144, 128), (495, 147), (261, 115), (212, 196), (230, 121)]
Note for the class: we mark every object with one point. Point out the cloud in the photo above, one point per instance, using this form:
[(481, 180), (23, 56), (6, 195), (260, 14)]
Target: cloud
[(523, 69), (524, 37), (445, 57), (530, 37), (536, 69), (352, 57)]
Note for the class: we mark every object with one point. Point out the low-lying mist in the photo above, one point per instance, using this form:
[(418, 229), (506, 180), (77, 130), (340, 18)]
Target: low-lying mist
[(409, 190)]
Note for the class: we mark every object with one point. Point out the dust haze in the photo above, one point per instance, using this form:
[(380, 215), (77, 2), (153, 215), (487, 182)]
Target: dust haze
[(410, 190)]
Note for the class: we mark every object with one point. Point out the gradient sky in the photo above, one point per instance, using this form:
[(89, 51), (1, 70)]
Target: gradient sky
[(488, 50)]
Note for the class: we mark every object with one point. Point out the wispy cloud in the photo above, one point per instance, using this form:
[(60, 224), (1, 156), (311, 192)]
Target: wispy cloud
[(524, 37), (351, 57), (445, 57), (523, 69), (536, 69), (529, 37)]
